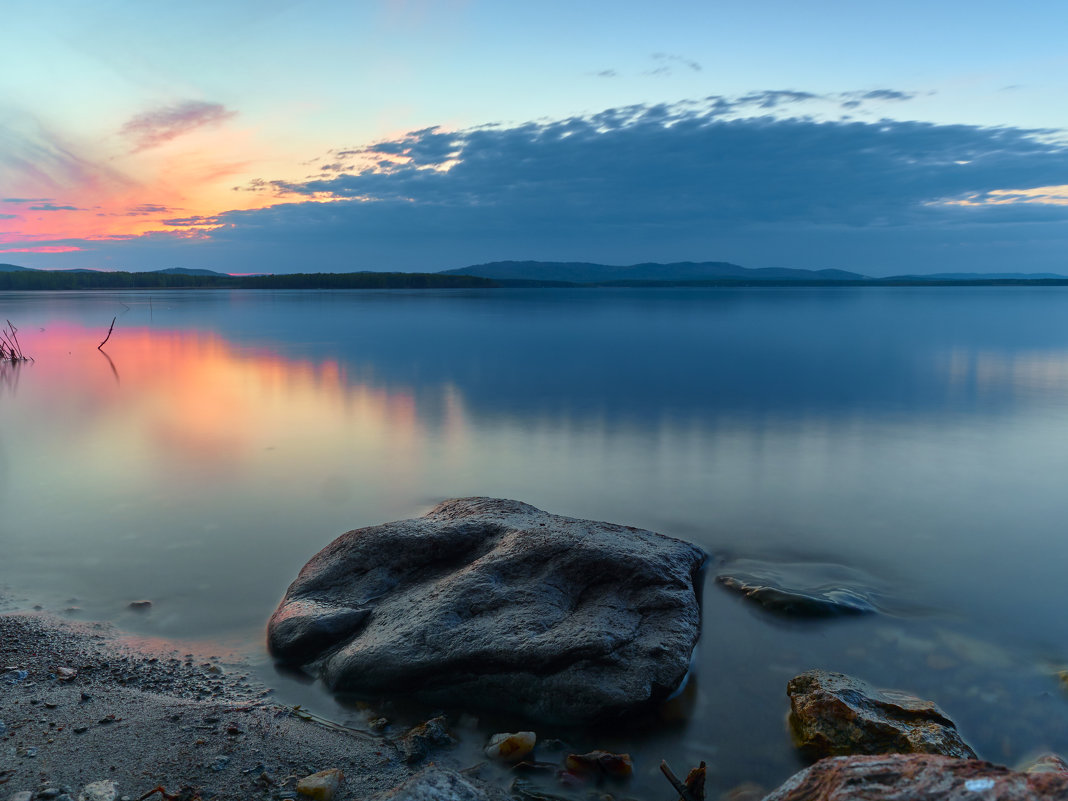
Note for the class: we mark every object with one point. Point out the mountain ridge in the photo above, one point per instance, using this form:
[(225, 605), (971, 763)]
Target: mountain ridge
[(592, 273)]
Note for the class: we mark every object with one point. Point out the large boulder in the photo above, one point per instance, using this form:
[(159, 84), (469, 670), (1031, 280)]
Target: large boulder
[(497, 604), (832, 713), (917, 777)]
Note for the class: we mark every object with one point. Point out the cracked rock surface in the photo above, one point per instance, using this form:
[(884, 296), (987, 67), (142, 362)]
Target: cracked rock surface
[(498, 604), (918, 777), (832, 713)]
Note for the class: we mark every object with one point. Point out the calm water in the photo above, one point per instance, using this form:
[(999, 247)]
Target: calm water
[(919, 435)]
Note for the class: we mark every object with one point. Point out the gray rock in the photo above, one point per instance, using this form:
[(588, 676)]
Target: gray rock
[(438, 784), (802, 589), (99, 791), (917, 777), (496, 603), (835, 714)]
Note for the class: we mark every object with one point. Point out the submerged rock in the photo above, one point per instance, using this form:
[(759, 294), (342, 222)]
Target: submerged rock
[(600, 763), (497, 603), (917, 777), (831, 713), (801, 589)]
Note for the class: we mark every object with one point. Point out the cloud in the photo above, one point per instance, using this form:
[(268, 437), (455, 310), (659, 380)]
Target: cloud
[(157, 127), (9, 216), (148, 208), (53, 207), (22, 200), (666, 62), (694, 180)]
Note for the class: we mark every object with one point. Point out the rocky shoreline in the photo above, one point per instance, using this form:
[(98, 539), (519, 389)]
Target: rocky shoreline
[(573, 618)]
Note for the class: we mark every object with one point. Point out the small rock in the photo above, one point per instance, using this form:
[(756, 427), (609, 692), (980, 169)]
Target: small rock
[(66, 673), (141, 606), (435, 784), (99, 791), (604, 763), (510, 747), (22, 795), (220, 763), (81, 729), (51, 792), (30, 752), (321, 786), (422, 739), (835, 714), (13, 675)]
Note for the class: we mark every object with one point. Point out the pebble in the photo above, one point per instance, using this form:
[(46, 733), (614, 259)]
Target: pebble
[(510, 747), (220, 763), (24, 795), (321, 786), (99, 791), (140, 605)]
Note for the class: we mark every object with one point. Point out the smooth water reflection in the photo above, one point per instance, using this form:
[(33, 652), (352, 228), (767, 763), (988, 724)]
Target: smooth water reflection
[(919, 435)]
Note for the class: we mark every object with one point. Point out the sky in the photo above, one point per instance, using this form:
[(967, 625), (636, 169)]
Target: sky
[(284, 136)]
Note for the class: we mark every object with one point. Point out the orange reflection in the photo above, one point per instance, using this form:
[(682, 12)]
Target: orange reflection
[(174, 402)]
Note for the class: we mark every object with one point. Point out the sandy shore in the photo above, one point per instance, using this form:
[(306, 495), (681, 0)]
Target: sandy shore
[(78, 707)]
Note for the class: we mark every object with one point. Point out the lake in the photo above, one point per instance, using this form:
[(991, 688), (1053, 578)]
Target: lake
[(917, 435)]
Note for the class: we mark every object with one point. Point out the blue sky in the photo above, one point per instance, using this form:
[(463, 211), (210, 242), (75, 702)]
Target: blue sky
[(284, 136)]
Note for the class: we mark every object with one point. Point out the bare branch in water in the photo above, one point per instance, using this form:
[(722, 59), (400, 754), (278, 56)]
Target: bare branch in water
[(102, 344), (10, 349)]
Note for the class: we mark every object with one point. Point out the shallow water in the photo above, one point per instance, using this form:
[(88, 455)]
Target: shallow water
[(917, 435)]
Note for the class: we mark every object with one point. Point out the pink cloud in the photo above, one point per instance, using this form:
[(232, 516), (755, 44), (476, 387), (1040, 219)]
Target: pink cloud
[(155, 128)]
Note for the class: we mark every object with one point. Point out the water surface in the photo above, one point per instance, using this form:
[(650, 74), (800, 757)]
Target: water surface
[(917, 435)]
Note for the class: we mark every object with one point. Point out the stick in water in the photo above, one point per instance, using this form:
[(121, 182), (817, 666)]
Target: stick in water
[(102, 344)]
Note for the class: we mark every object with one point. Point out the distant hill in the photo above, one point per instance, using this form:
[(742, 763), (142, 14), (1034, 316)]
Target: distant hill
[(587, 273), (186, 271), (14, 268), (978, 277)]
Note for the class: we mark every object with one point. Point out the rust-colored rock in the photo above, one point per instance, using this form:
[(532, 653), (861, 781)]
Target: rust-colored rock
[(832, 714), (917, 777), (603, 763)]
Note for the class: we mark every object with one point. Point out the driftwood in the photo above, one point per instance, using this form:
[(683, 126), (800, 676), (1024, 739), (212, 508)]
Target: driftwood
[(693, 789), (102, 344)]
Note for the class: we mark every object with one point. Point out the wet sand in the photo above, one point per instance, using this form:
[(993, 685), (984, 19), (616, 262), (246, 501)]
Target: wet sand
[(143, 721)]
